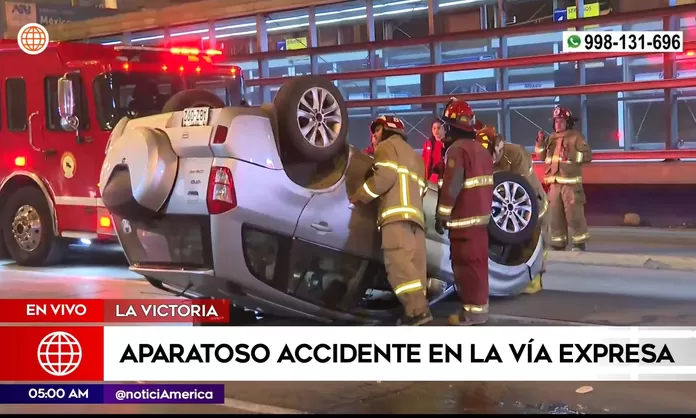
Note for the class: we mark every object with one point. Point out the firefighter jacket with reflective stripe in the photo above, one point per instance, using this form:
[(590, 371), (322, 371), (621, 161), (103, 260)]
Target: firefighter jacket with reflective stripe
[(564, 154), (466, 196), (516, 159), (398, 180)]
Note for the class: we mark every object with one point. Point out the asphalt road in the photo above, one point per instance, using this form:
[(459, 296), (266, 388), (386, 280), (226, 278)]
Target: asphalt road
[(573, 294)]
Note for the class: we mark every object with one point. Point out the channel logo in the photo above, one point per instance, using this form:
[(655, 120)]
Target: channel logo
[(59, 353), (32, 38)]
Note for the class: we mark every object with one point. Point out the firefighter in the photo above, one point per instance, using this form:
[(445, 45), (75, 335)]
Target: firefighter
[(464, 208), (515, 159), (564, 152), (398, 180)]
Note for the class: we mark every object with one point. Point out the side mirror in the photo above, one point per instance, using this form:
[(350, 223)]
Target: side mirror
[(66, 105)]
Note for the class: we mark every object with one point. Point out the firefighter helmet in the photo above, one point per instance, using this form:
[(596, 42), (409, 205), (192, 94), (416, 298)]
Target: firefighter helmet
[(389, 123), (562, 113), (486, 135), (458, 114)]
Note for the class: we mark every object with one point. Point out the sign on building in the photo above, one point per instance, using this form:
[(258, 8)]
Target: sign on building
[(18, 15)]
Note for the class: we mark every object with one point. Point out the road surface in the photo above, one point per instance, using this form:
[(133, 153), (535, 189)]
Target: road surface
[(574, 294)]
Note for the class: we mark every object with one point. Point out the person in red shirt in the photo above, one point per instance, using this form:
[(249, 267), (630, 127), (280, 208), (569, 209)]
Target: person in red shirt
[(433, 151), (371, 149)]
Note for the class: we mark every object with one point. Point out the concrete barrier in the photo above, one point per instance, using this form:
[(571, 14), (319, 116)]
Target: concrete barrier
[(646, 261)]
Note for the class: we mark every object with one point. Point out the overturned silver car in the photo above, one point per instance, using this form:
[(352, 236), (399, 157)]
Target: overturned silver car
[(251, 204)]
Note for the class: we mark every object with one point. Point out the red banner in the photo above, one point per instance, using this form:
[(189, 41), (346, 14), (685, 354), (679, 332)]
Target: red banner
[(43, 354), (113, 311)]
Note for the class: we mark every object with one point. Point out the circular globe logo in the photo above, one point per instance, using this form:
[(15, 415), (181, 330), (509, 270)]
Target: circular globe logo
[(32, 39), (59, 353)]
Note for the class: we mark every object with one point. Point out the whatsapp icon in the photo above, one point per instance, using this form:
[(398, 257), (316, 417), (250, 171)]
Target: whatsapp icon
[(574, 41)]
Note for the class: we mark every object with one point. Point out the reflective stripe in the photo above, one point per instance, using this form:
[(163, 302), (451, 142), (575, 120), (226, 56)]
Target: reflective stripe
[(408, 287), (531, 171), (445, 210), (440, 182), (478, 182), (370, 192), (578, 158), (538, 150), (476, 308), (557, 159), (559, 239), (402, 170), (544, 208), (406, 212), (563, 180), (468, 222), (579, 239)]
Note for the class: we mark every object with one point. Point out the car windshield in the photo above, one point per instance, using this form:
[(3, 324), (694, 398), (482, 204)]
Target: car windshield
[(134, 95)]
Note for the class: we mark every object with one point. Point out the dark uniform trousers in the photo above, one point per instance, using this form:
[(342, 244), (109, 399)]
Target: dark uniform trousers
[(405, 255), (470, 265)]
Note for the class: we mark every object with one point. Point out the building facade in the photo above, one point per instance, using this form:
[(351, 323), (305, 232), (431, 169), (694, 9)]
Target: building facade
[(365, 35)]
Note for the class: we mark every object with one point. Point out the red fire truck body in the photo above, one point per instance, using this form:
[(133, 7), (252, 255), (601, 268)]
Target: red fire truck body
[(49, 196)]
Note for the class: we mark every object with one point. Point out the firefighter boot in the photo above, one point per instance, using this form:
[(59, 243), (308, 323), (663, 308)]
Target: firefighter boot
[(470, 315), (578, 247), (416, 320), (534, 286)]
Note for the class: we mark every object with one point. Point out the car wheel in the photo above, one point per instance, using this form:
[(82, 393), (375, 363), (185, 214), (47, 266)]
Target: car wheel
[(27, 228), (312, 117), (514, 214), (192, 98)]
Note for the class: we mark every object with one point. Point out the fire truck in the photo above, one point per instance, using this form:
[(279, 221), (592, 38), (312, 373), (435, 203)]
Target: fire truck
[(58, 110)]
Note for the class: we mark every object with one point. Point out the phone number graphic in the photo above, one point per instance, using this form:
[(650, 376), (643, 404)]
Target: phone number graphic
[(623, 41)]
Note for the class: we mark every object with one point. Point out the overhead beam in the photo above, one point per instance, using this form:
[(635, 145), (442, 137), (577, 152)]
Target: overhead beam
[(184, 14)]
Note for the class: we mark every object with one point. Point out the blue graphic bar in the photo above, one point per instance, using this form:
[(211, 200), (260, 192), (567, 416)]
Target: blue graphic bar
[(40, 393)]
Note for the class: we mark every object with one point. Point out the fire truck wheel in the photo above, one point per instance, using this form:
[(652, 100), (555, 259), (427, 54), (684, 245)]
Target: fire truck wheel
[(192, 98), (312, 117), (27, 229), (514, 215)]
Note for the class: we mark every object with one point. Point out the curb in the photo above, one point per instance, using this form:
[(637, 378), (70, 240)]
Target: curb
[(655, 262), (676, 234)]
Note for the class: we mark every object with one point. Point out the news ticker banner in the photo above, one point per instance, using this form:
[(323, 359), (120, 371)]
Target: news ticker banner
[(324, 353), (38, 393), (97, 311)]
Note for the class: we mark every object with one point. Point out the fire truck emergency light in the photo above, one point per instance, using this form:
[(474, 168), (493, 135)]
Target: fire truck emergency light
[(20, 161), (194, 51)]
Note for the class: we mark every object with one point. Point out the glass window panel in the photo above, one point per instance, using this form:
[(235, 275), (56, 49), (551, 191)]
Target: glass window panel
[(528, 117), (236, 36), (605, 121), (686, 118), (402, 87), (407, 56), (400, 19), (250, 69), (148, 38), (189, 35), (623, 6), (469, 51), (531, 45), (288, 30), (290, 66), (542, 76), (604, 71), (253, 95), (343, 62), (645, 115), (459, 16), (341, 24), (354, 89), (359, 120), (470, 81)]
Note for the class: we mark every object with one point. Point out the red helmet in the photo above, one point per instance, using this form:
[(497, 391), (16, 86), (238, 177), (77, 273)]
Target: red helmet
[(459, 114), (562, 112), (486, 136), (389, 123)]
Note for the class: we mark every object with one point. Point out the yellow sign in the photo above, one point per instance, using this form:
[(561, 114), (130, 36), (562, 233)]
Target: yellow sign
[(591, 10), (67, 162), (295, 43)]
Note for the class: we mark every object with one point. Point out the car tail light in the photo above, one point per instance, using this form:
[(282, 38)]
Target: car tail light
[(220, 134), (221, 195)]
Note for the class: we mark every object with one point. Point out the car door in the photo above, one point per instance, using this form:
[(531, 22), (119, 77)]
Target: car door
[(329, 220)]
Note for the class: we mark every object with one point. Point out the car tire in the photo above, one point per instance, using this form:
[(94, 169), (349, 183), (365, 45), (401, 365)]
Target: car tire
[(192, 98), (46, 248), (325, 123), (514, 200)]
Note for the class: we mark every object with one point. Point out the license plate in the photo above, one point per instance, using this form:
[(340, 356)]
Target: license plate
[(196, 116)]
